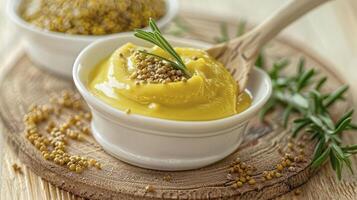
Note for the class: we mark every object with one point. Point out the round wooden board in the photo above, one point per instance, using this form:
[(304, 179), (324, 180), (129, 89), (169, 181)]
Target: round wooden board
[(24, 84)]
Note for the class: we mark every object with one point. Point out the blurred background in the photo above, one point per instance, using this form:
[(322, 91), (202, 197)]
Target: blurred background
[(330, 30)]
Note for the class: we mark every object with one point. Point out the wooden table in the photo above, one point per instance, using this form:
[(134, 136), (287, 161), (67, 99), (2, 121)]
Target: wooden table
[(27, 185)]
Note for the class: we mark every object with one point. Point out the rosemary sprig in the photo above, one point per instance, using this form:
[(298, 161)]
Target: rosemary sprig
[(155, 37), (301, 93)]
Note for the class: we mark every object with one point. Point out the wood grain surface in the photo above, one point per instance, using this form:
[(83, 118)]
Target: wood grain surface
[(259, 148)]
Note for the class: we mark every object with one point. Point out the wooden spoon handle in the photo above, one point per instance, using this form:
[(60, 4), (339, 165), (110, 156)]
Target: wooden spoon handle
[(282, 18)]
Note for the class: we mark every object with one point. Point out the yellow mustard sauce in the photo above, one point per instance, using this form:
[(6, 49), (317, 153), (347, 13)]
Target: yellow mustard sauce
[(211, 92)]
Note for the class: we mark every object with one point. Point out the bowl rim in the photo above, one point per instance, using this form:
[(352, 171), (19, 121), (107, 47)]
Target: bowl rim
[(226, 122), (172, 7)]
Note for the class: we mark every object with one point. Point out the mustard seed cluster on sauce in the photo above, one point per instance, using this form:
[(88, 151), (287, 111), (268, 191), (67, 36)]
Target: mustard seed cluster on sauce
[(53, 145), (150, 69), (91, 17)]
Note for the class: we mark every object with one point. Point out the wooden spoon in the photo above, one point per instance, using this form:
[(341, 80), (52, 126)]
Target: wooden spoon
[(239, 55)]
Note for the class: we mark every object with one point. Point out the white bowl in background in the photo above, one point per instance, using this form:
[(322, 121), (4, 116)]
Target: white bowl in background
[(158, 143), (57, 51)]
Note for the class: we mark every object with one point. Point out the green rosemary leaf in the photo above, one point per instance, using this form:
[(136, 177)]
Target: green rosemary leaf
[(327, 121), (301, 65), (168, 47), (334, 138), (286, 115), (352, 147), (316, 101), (351, 151), (298, 126), (338, 151), (316, 134), (277, 67), (337, 94), (145, 36), (334, 161), (349, 164), (320, 83), (304, 79), (339, 169), (281, 82), (345, 116), (319, 149), (153, 26), (321, 159), (352, 126), (299, 101), (343, 125)]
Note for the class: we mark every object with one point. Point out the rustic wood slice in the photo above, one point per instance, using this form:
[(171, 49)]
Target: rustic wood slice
[(23, 84)]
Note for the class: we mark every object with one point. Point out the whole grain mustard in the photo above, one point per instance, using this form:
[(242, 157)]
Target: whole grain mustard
[(91, 17)]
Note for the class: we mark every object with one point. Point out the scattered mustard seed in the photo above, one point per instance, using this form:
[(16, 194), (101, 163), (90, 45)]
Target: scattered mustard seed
[(53, 146), (252, 182), (239, 184), (16, 168), (127, 111), (167, 178), (297, 191), (149, 188)]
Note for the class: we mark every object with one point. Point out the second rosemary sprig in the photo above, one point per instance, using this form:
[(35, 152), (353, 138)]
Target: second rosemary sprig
[(301, 93)]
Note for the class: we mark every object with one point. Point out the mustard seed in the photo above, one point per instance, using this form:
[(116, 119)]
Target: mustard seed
[(47, 156), (72, 167), (167, 178), (79, 169), (127, 111), (16, 168), (252, 182), (297, 192), (239, 184), (243, 179), (268, 177), (98, 165), (279, 167), (292, 169), (149, 188), (283, 163)]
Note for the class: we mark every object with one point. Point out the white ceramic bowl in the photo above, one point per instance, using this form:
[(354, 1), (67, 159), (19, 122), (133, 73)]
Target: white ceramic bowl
[(57, 51), (158, 143)]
